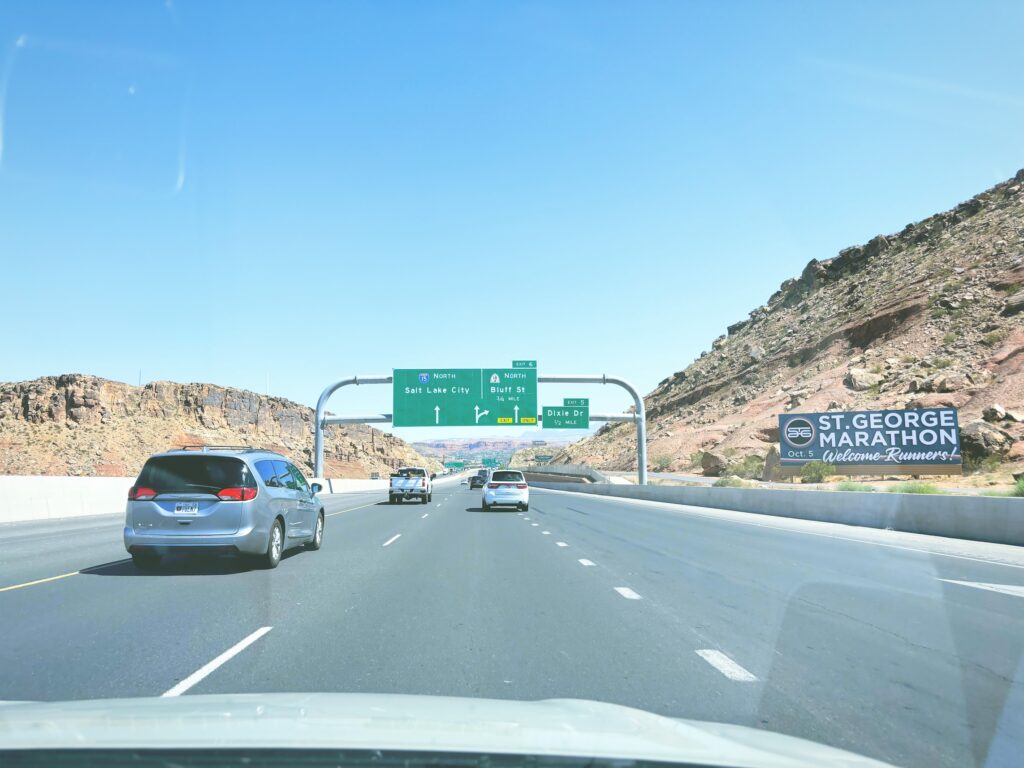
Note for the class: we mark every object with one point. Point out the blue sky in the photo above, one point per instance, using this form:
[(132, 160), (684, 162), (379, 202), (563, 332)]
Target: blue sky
[(231, 192)]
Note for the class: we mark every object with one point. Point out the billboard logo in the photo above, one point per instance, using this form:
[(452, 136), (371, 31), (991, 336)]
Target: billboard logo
[(799, 433)]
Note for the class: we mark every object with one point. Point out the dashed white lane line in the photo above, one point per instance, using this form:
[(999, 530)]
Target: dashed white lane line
[(535, 525), (525, 518), (628, 593), (393, 539), (545, 533), (562, 544), (1006, 589), (726, 666), (585, 563), (423, 516), (225, 657)]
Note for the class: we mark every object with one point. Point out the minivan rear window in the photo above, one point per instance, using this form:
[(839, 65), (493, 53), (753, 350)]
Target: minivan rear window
[(195, 474), (507, 477)]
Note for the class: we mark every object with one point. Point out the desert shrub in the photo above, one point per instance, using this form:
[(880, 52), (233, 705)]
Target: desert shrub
[(815, 472), (849, 485), (974, 465), (750, 467), (916, 486), (993, 338), (730, 482)]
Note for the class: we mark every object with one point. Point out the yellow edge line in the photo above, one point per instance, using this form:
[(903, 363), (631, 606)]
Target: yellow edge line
[(39, 581)]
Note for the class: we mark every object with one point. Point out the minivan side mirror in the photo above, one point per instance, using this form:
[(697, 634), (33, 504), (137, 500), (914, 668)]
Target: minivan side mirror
[(433, 475), (316, 488)]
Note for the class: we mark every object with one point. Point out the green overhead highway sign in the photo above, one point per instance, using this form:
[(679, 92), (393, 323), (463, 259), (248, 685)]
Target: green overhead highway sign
[(576, 402), (465, 397), (543, 457), (560, 417), (491, 462), (455, 464)]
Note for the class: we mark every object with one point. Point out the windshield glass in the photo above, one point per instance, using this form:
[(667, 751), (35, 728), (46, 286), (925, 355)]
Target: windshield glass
[(745, 445)]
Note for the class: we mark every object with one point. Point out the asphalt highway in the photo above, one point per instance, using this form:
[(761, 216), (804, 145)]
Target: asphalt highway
[(905, 648)]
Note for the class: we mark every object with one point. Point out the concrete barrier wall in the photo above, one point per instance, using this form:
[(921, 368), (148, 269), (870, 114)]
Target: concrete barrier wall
[(572, 470), (978, 518), (42, 498)]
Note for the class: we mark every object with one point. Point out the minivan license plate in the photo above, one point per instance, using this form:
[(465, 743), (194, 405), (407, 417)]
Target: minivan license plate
[(186, 508)]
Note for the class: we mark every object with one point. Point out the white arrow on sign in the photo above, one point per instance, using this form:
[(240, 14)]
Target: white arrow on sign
[(479, 413), (437, 414), (516, 410)]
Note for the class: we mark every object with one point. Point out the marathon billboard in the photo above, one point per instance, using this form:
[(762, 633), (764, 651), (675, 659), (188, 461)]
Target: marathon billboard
[(914, 438)]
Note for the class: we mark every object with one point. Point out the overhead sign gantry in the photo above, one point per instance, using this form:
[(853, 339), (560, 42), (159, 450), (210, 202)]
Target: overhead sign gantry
[(480, 397)]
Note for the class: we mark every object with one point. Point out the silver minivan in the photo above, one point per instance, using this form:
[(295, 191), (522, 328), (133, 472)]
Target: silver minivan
[(221, 499)]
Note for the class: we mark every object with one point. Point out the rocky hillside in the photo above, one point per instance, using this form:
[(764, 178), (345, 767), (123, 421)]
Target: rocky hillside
[(928, 316), (84, 425)]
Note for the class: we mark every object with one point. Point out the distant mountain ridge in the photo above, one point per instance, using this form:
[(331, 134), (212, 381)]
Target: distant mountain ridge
[(928, 316), (75, 424)]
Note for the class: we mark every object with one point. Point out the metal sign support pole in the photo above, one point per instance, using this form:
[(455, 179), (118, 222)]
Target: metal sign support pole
[(318, 424), (638, 401)]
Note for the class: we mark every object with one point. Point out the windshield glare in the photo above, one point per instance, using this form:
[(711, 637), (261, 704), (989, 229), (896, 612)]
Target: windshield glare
[(742, 446)]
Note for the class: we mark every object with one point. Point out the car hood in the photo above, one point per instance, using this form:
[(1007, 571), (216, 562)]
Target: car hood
[(554, 727)]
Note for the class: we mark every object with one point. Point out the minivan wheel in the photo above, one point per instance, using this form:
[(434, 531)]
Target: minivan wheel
[(275, 545), (318, 533), (145, 561)]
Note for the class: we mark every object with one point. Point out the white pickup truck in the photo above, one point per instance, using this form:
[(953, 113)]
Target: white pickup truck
[(411, 483)]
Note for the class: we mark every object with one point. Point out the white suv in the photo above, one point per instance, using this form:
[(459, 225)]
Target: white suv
[(506, 488)]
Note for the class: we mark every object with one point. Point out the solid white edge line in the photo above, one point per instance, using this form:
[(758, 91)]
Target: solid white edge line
[(688, 509), (726, 666), (627, 593), (209, 667), (1003, 589), (393, 539), (585, 563)]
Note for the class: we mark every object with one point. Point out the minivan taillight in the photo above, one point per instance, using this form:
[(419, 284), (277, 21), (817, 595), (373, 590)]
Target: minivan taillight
[(140, 493), (520, 486), (236, 494)]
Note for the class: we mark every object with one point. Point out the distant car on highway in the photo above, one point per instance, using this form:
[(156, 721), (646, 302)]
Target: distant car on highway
[(479, 479), (411, 483), (506, 488), (221, 499)]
